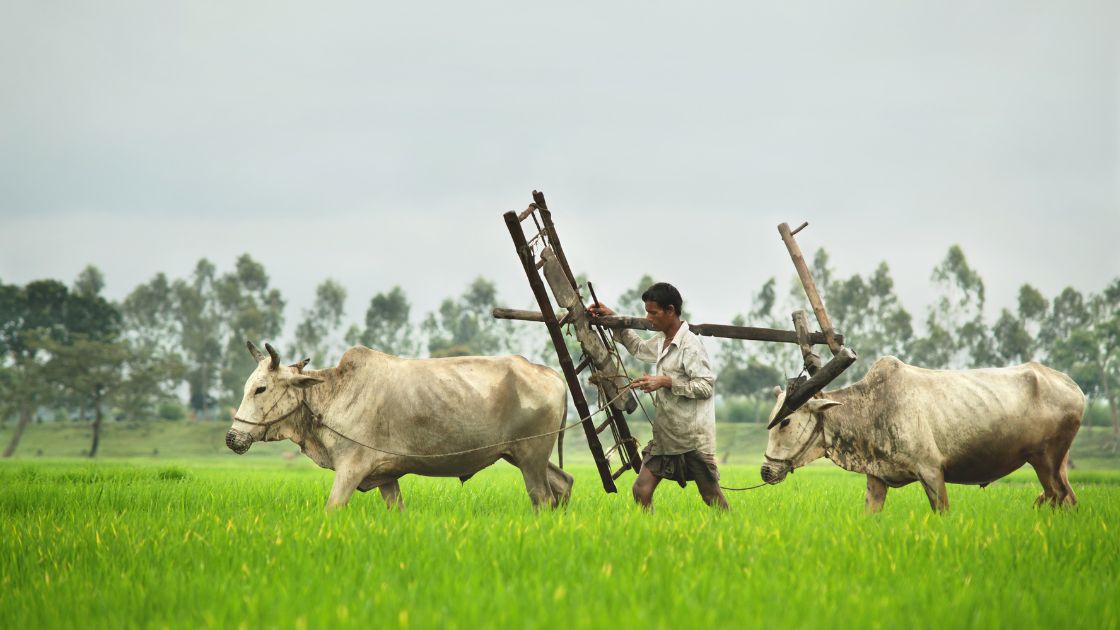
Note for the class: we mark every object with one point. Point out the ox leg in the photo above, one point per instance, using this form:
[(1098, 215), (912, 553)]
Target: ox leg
[(345, 482), (1069, 498), (876, 494), (536, 483), (933, 482), (560, 483), (391, 492), (1048, 476)]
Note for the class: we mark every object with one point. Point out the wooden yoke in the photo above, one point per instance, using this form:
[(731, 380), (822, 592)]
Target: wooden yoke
[(799, 391), (810, 286)]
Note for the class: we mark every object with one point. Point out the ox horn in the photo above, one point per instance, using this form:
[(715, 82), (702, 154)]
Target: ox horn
[(253, 350), (275, 357)]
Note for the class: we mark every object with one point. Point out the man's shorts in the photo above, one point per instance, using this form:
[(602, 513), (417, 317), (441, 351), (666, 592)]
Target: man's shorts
[(682, 467)]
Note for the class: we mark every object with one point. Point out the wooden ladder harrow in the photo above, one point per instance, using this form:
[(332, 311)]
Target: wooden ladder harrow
[(541, 251)]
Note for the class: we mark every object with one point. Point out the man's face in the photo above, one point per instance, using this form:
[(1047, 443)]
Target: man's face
[(661, 318)]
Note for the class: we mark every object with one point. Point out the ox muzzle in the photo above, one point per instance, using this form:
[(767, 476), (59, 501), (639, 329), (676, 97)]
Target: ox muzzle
[(238, 442), (775, 470)]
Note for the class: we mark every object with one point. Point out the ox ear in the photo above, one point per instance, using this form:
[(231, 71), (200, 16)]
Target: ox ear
[(303, 381), (302, 364), (820, 404), (777, 391)]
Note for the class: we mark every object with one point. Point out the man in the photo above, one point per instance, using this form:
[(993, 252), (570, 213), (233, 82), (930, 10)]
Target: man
[(684, 429)]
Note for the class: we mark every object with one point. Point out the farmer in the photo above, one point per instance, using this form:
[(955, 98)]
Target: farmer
[(684, 426)]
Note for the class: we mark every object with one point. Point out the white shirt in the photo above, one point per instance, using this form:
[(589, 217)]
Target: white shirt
[(686, 415)]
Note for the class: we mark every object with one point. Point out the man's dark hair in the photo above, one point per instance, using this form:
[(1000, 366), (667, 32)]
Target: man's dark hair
[(665, 295)]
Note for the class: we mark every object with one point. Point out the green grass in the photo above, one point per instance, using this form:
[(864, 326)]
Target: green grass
[(244, 542)]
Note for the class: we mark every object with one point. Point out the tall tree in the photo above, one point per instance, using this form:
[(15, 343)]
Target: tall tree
[(42, 322), (89, 282), (249, 309), (1086, 343), (871, 317), (387, 326), (200, 329), (316, 334), (26, 313), (465, 326), (1012, 341), (90, 368), (151, 334), (956, 335)]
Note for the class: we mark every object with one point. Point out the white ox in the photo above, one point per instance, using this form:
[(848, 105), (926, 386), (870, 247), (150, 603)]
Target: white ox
[(901, 424), (411, 412)]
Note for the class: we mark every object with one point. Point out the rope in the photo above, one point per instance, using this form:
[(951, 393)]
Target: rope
[(744, 488), (566, 427)]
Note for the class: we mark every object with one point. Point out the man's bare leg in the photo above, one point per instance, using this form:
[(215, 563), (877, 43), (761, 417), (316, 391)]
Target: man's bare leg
[(712, 494), (644, 487)]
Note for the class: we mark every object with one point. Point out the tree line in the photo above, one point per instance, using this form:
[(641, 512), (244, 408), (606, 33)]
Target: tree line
[(175, 347)]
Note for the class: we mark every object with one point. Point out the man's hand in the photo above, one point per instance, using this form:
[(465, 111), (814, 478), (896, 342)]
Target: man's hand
[(598, 310), (648, 383)]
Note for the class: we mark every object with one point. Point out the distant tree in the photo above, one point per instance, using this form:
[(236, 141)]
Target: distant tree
[(871, 317), (90, 368), (89, 282), (387, 326), (1013, 343), (249, 309), (26, 313), (151, 334), (1089, 348), (200, 328), (1032, 313), (465, 326), (956, 333), (316, 334), (784, 359), (1016, 337), (42, 322)]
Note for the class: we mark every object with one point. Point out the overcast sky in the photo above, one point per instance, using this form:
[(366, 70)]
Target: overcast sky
[(379, 143)]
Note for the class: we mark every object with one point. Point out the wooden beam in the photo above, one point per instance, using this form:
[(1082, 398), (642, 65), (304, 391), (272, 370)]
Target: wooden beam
[(810, 287), (722, 331)]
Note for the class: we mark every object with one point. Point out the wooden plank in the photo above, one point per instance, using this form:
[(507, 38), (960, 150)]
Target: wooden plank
[(723, 331), (565, 359), (810, 287)]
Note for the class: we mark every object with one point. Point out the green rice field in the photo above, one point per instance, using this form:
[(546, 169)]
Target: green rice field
[(228, 542)]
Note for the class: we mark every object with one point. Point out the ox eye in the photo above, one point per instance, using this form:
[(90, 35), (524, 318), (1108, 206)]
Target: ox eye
[(260, 390), (784, 424)]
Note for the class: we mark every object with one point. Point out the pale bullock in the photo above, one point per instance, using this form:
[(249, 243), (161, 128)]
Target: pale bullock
[(376, 417), (901, 424)]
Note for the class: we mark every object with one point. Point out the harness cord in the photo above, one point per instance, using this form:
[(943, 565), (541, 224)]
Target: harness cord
[(764, 483)]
